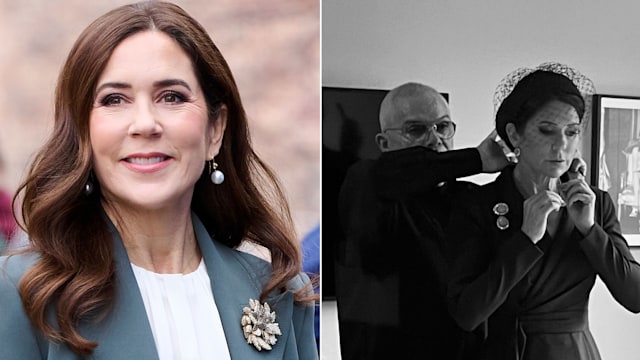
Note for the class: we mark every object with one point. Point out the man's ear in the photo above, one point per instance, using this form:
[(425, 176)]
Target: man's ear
[(512, 134), (382, 141)]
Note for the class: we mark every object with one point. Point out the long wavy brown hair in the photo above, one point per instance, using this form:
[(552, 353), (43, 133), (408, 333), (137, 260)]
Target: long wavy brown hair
[(67, 228)]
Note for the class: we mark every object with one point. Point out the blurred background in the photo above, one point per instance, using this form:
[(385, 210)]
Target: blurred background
[(272, 47)]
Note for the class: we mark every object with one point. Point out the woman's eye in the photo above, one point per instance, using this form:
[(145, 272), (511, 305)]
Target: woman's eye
[(546, 131), (111, 100), (173, 97), (573, 132)]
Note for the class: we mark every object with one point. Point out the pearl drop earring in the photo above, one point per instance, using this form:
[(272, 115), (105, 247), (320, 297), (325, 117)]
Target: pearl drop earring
[(217, 176)]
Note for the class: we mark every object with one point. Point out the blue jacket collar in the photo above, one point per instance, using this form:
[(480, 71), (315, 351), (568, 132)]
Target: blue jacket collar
[(235, 278)]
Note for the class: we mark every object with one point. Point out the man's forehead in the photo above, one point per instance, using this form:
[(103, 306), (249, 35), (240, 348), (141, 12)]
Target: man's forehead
[(411, 101), (421, 108), (423, 120)]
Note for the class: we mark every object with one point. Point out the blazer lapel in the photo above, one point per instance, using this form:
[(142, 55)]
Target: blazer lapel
[(236, 278), (125, 333)]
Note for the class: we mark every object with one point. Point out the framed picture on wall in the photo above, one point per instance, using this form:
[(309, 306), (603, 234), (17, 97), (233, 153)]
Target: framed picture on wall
[(615, 157), (349, 125)]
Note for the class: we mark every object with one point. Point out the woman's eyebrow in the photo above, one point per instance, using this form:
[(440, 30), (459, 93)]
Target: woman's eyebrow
[(116, 85), (553, 123), (171, 82), (156, 84)]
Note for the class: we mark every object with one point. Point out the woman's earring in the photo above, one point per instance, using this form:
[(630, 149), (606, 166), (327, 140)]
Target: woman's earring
[(516, 152), (217, 177), (88, 187)]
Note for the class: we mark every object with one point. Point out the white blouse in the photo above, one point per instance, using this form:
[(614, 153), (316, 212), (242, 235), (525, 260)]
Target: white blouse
[(183, 315)]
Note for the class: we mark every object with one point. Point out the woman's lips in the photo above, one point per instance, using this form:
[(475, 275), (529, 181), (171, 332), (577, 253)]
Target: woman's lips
[(146, 163)]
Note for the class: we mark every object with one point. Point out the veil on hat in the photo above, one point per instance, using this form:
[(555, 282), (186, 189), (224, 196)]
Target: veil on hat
[(508, 83), (583, 83)]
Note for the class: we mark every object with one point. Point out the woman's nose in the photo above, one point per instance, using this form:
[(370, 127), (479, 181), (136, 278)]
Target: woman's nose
[(560, 142), (144, 121)]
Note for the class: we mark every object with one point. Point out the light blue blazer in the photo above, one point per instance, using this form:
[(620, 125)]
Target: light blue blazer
[(125, 332)]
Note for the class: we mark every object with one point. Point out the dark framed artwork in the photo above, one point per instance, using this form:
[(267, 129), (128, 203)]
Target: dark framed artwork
[(615, 157), (349, 125)]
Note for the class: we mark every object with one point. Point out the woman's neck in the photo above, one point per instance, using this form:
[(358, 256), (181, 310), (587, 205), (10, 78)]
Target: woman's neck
[(160, 241), (529, 182)]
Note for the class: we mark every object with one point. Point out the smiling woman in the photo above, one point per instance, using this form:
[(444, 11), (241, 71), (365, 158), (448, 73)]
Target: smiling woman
[(133, 249), (150, 128)]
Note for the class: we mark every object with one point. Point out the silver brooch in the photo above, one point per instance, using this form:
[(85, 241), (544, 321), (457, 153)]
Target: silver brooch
[(501, 209), (259, 326)]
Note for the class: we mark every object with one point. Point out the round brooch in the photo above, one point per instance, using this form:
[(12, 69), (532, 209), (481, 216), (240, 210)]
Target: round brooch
[(259, 326), (502, 223), (501, 209)]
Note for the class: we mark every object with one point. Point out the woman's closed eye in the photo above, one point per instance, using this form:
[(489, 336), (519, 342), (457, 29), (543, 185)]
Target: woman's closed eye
[(547, 130), (569, 132)]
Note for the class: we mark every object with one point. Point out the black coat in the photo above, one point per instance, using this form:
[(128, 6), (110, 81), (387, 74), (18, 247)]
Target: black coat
[(390, 271), (532, 299)]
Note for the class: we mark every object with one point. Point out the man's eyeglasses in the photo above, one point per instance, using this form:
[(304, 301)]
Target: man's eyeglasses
[(415, 131)]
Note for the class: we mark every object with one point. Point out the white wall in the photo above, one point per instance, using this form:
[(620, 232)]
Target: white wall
[(465, 48)]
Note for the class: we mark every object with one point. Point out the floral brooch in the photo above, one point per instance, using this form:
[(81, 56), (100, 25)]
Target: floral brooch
[(259, 326)]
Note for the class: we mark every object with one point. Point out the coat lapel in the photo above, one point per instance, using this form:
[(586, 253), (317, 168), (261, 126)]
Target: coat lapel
[(536, 282), (235, 278), (125, 333)]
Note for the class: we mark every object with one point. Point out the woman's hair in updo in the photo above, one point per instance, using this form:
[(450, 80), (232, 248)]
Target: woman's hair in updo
[(532, 93)]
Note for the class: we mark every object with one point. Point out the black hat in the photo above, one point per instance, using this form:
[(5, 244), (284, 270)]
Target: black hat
[(546, 82)]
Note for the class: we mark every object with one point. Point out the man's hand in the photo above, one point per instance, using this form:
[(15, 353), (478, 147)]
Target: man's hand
[(491, 154)]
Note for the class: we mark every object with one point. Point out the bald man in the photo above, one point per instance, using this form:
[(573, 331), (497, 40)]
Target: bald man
[(408, 112), (391, 270)]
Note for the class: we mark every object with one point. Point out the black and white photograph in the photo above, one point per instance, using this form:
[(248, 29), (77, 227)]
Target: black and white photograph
[(480, 226)]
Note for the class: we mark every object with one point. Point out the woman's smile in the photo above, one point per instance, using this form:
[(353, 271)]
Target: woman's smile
[(147, 163)]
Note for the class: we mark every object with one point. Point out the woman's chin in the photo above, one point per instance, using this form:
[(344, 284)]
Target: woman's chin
[(556, 174)]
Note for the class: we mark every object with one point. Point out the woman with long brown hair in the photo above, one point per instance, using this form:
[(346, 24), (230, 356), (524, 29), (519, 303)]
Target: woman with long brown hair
[(136, 204)]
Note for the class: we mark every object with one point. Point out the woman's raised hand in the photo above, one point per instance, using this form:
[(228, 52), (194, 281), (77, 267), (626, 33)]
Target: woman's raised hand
[(580, 201), (536, 210)]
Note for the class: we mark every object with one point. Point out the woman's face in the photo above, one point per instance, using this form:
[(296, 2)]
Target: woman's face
[(149, 128), (549, 141)]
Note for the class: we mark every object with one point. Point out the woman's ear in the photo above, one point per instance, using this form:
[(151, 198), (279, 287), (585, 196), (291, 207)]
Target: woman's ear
[(382, 141), (216, 132), (512, 134)]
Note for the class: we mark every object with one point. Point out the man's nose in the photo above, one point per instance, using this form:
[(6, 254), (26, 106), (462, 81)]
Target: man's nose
[(431, 138)]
